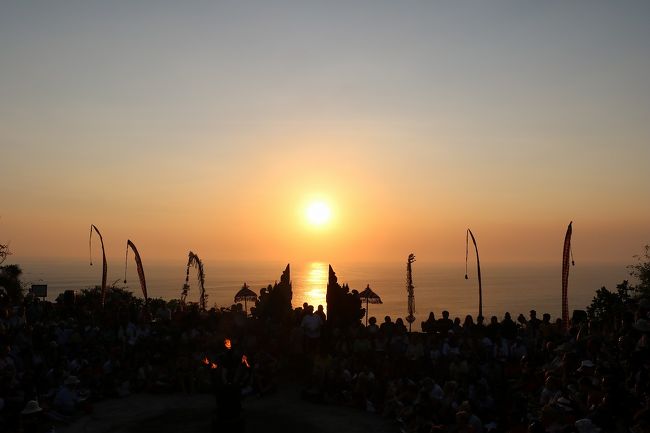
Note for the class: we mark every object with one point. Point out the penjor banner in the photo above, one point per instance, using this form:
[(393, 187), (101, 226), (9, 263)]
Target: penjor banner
[(566, 253), (105, 266), (138, 262)]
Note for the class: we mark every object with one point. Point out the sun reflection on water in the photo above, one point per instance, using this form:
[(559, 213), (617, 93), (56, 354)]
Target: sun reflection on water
[(315, 285)]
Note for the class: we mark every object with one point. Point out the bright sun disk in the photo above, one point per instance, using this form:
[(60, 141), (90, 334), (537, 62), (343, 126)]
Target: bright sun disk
[(318, 213)]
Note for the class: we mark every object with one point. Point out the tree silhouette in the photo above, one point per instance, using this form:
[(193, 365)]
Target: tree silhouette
[(10, 281), (609, 306), (641, 271), (4, 252)]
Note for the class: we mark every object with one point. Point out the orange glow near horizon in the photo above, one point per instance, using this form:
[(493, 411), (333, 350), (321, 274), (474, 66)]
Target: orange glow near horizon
[(309, 149)]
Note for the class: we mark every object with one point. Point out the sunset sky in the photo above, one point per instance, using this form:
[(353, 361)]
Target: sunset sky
[(212, 126)]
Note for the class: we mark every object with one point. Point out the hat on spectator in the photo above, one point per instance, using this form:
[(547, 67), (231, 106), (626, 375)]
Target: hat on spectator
[(71, 380), (31, 407), (586, 426), (564, 404), (586, 364)]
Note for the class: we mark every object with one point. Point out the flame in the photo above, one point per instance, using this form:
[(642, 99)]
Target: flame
[(206, 361), (227, 343), (244, 360)]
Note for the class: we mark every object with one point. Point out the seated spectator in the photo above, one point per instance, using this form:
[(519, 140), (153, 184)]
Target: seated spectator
[(429, 326), (33, 420), (67, 397)]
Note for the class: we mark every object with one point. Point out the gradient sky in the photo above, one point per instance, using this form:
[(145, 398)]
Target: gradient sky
[(211, 125)]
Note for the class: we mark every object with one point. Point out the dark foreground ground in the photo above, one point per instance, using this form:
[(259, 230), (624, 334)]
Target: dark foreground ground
[(283, 412)]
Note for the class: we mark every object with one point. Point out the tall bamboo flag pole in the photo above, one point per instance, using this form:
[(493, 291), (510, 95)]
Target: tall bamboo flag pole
[(478, 266), (410, 289), (105, 266), (194, 260), (138, 262), (567, 255)]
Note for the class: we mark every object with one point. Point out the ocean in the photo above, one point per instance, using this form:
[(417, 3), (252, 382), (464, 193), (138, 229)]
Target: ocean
[(516, 288)]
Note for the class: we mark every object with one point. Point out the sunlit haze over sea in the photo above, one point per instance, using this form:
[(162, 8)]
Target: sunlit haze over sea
[(516, 288)]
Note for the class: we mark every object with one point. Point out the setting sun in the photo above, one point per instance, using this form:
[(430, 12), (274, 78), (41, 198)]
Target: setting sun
[(318, 213)]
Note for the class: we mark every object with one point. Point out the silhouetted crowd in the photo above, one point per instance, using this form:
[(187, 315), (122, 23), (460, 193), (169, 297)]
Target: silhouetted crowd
[(56, 361), (528, 375), (523, 375)]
